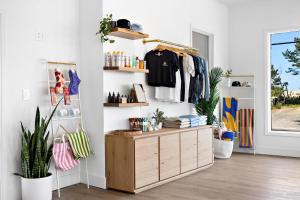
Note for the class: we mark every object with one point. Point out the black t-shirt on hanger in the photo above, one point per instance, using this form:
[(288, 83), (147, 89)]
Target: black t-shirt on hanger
[(162, 67)]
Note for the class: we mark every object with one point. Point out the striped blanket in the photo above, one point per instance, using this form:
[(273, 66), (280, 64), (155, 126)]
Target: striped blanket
[(245, 125)]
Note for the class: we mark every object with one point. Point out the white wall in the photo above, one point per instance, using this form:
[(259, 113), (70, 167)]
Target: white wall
[(247, 55), (168, 20), (58, 21), (91, 61), (67, 40)]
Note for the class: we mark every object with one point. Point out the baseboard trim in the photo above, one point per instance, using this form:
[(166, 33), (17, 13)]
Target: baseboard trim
[(278, 152), (96, 181)]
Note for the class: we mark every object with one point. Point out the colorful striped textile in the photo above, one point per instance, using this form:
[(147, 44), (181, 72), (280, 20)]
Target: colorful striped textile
[(63, 156), (230, 107), (80, 144), (246, 124)]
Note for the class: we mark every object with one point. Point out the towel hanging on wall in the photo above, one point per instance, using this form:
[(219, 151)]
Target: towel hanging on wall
[(230, 106), (246, 119)]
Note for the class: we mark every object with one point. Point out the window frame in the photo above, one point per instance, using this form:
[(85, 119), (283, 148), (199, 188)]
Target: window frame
[(267, 96)]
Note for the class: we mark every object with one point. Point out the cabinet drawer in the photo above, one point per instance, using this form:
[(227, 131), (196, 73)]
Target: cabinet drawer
[(146, 161), (169, 156), (189, 152), (205, 149)]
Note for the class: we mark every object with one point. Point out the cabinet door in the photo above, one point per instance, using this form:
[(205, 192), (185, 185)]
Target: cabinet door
[(205, 149), (169, 153), (146, 161), (188, 151)]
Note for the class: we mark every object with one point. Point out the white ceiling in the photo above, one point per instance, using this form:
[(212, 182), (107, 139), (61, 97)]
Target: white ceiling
[(235, 2)]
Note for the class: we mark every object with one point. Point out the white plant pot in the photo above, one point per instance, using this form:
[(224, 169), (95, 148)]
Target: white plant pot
[(37, 188), (222, 149), (229, 82)]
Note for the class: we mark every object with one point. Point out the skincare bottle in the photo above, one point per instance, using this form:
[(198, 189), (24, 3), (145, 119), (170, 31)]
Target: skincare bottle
[(109, 98), (137, 62), (113, 98)]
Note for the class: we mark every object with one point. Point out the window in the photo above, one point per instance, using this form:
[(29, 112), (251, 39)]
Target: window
[(284, 76)]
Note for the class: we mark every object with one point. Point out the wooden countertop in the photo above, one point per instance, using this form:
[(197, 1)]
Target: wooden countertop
[(163, 131)]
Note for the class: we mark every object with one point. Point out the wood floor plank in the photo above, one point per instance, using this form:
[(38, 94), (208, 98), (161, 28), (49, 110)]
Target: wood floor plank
[(245, 177)]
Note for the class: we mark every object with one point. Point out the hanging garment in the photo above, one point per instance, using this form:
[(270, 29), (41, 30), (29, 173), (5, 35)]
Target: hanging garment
[(162, 66), (200, 82), (175, 95), (196, 83), (63, 155), (245, 123), (189, 70), (74, 82), (80, 144), (60, 81), (230, 106), (168, 94), (182, 79), (205, 72)]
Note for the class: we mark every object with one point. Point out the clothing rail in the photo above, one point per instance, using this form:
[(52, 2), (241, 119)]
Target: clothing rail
[(171, 43)]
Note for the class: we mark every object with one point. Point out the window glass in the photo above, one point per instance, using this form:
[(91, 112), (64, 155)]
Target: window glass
[(285, 81)]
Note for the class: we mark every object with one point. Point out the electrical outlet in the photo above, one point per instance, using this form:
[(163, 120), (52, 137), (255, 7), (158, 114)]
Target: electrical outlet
[(39, 36), (26, 94)]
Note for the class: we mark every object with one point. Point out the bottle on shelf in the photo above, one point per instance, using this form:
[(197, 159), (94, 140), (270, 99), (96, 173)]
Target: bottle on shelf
[(137, 62), (109, 98), (108, 59)]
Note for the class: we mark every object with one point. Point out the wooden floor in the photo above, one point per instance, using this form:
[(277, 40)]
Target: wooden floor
[(243, 177)]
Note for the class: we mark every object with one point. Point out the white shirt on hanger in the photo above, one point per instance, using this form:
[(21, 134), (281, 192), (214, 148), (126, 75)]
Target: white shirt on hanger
[(169, 94), (189, 70)]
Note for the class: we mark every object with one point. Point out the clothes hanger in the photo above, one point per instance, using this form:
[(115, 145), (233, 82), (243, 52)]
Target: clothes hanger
[(179, 52)]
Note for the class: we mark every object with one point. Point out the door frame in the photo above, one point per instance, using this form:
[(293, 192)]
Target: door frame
[(2, 147), (210, 43)]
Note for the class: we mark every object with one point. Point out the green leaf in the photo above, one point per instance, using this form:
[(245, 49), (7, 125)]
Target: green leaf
[(35, 153), (207, 108)]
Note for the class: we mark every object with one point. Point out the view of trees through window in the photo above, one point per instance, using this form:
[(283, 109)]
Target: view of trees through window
[(285, 81)]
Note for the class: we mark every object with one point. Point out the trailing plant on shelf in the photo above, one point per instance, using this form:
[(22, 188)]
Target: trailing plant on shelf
[(36, 154), (207, 108), (106, 26), (159, 117), (228, 73)]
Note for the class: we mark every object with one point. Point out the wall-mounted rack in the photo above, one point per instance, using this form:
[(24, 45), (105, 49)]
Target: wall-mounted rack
[(246, 100), (123, 105), (126, 69), (174, 46), (65, 67), (128, 34)]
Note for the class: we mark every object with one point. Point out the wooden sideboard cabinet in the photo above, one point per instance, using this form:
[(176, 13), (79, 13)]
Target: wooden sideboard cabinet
[(140, 162)]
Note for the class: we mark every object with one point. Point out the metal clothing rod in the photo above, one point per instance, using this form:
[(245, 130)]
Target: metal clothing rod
[(171, 43), (60, 63)]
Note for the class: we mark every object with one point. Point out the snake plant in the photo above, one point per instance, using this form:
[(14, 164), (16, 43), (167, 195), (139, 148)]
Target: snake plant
[(36, 153)]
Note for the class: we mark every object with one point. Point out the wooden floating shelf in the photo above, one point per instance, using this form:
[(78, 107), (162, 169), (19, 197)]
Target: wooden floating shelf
[(123, 105), (126, 69), (128, 34)]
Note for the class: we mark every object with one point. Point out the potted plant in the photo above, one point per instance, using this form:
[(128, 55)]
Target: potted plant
[(159, 118), (207, 108), (106, 26), (227, 75), (36, 154)]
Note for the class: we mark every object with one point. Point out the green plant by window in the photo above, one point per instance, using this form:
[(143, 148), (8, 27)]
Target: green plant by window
[(207, 108), (105, 28)]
